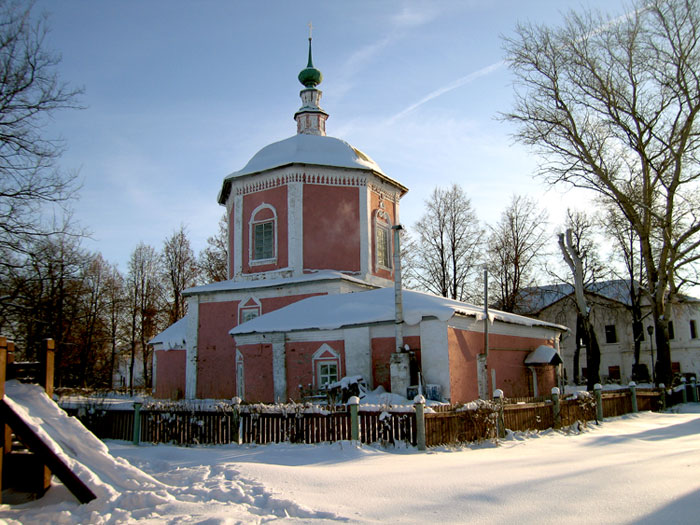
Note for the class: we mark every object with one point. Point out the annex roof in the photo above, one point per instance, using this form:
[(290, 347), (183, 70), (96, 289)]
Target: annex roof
[(329, 312), (231, 285), (173, 337)]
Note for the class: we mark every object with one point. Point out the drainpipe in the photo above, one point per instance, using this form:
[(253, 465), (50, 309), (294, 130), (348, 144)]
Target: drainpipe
[(398, 299)]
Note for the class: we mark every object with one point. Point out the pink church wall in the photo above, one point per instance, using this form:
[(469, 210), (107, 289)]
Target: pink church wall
[(276, 197), (300, 363), (170, 367), (331, 220), (216, 351), (506, 357), (257, 373), (382, 348), (216, 355)]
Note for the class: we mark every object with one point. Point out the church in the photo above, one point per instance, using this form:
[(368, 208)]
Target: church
[(311, 293)]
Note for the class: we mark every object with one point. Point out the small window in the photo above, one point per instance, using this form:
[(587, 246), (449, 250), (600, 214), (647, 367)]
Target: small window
[(614, 373), (675, 367), (671, 331), (327, 372), (610, 334), (249, 313), (693, 329)]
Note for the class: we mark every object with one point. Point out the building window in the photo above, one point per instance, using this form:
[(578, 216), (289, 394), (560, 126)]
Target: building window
[(263, 235), (326, 366), (327, 372), (614, 373), (382, 240), (693, 329), (671, 331), (248, 309), (610, 334)]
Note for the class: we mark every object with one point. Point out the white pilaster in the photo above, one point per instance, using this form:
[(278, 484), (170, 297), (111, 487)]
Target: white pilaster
[(295, 226), (434, 356), (279, 368), (358, 355), (238, 236), (191, 364), (365, 231)]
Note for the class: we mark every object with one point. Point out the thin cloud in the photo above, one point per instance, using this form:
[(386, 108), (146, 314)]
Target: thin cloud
[(484, 71)]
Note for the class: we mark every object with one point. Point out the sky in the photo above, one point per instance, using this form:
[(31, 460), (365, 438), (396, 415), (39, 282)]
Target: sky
[(177, 95)]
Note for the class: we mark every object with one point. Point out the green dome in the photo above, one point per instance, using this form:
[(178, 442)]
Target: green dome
[(310, 76)]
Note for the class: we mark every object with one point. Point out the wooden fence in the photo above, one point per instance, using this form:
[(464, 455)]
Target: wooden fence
[(244, 424)]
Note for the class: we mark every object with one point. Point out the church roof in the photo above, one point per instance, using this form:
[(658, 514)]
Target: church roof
[(314, 150), (330, 312)]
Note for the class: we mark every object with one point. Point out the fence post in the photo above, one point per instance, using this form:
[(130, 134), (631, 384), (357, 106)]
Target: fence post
[(662, 401), (500, 423), (633, 393), (354, 404), (3, 368), (47, 364), (598, 393), (419, 404), (684, 391), (556, 407), (137, 422), (236, 426), (694, 389)]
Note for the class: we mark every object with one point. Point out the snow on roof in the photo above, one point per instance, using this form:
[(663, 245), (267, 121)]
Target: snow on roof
[(308, 149), (329, 312), (534, 299), (543, 355), (173, 337), (231, 285), (319, 150)]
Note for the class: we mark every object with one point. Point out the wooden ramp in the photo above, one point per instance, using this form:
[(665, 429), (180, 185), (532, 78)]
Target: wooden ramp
[(38, 446)]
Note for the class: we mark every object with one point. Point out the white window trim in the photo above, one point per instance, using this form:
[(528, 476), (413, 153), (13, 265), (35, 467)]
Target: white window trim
[(240, 385), (316, 359), (243, 306), (251, 236), (382, 220)]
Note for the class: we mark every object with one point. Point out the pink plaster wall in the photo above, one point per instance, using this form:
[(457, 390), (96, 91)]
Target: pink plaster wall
[(216, 355), (506, 356), (382, 348), (170, 368), (276, 197), (331, 219), (257, 373), (300, 366), (216, 350)]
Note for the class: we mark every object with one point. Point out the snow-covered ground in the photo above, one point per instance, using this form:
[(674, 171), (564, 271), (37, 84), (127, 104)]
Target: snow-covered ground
[(640, 468)]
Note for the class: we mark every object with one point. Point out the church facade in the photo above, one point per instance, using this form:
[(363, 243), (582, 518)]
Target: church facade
[(310, 254)]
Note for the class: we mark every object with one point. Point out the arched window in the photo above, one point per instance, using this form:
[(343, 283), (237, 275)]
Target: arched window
[(382, 240), (263, 235), (326, 366)]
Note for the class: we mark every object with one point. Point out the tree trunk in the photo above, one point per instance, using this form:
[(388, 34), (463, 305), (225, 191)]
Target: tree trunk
[(592, 354)]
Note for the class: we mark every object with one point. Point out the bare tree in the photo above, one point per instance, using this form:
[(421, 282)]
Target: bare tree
[(612, 106), (515, 245), (575, 260), (181, 271), (446, 254), (213, 260), (29, 93), (144, 291)]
